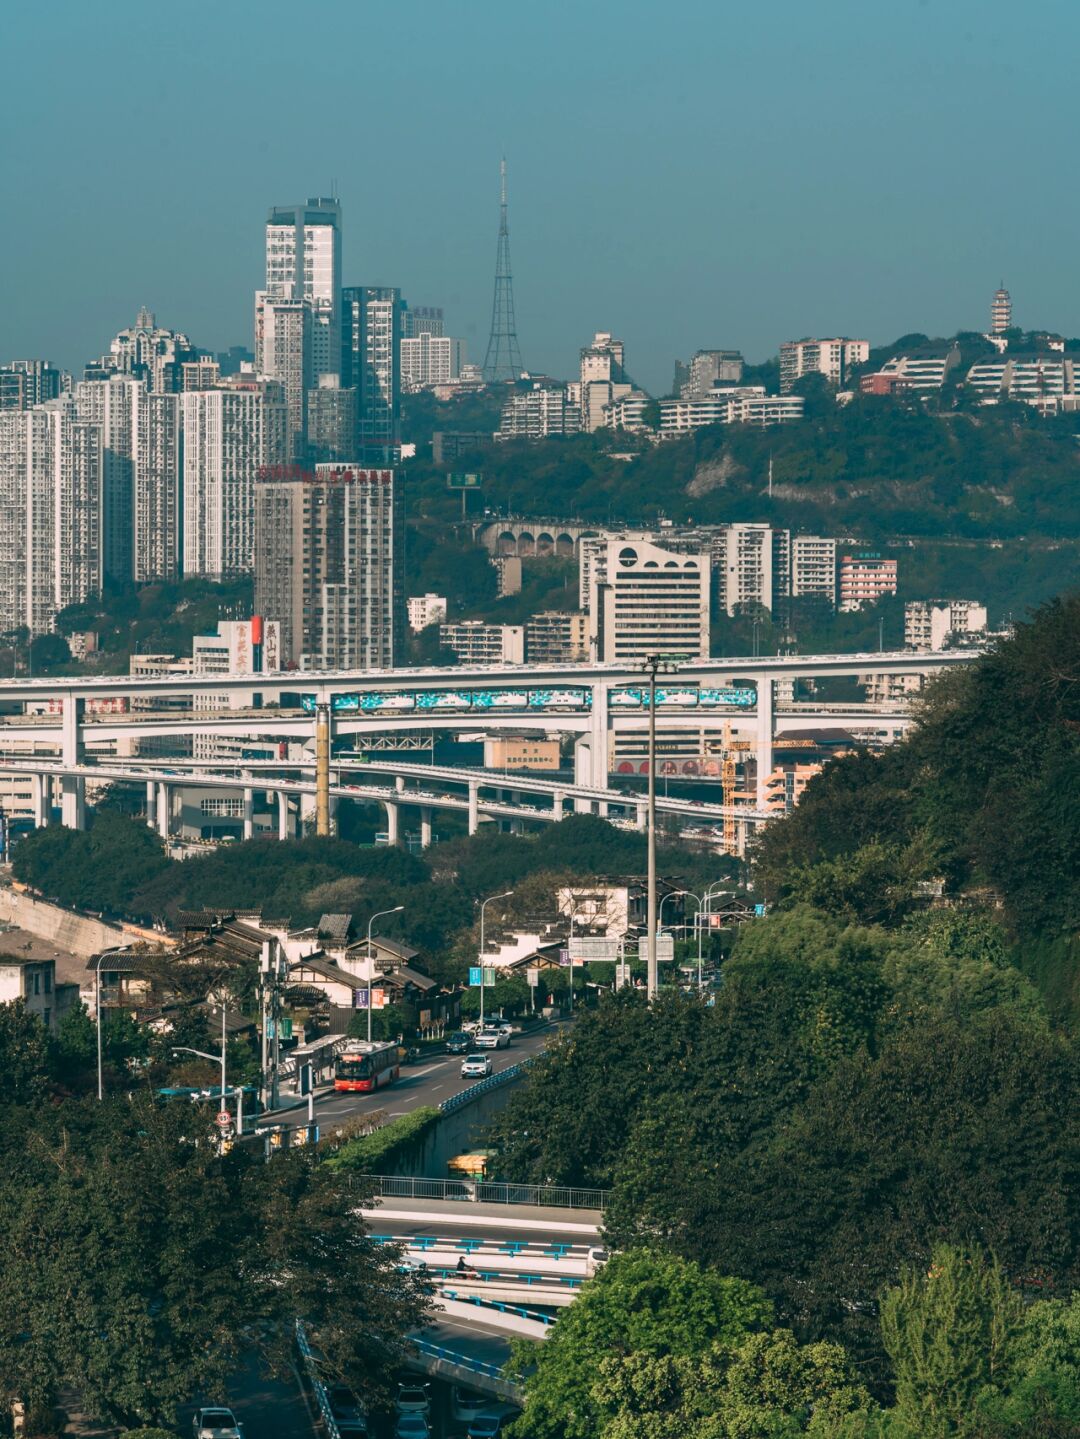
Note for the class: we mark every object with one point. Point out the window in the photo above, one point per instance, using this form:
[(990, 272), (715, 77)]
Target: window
[(37, 982), (48, 981)]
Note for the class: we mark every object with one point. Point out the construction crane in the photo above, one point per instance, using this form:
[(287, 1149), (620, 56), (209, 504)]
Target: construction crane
[(728, 780)]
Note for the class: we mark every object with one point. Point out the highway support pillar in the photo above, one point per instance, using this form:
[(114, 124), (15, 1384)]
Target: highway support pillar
[(399, 783), (642, 816), (249, 811), (322, 770), (557, 804), (393, 829), (42, 795), (164, 807), (764, 738), (72, 787), (474, 807), (282, 815), (425, 826), (151, 804)]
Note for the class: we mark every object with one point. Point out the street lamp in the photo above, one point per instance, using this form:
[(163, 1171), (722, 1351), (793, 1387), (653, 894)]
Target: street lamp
[(213, 1058), (105, 953), (653, 665), (490, 900), (371, 960)]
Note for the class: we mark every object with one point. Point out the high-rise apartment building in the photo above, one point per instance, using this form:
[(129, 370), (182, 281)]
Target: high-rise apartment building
[(26, 383), (472, 642), (707, 370), (140, 438), (865, 578), (430, 359), (328, 565), (751, 565), (934, 624), (1000, 312), (229, 434), (813, 567), (557, 637), (424, 610), (331, 423), (422, 320), (546, 408), (146, 351), (371, 364), (834, 359), (303, 262), (647, 600), (50, 514), (603, 378), (283, 352)]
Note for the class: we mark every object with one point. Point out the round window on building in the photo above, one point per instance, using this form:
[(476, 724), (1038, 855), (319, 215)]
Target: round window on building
[(627, 556)]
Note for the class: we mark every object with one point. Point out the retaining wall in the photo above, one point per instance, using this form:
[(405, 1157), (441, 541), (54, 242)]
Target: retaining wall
[(80, 934)]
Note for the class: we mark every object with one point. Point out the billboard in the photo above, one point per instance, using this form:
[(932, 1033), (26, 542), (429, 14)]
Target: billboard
[(665, 948), (586, 948)]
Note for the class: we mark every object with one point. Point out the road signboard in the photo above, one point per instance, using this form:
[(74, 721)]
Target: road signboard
[(588, 947), (481, 978), (665, 948), (532, 976), (622, 974), (464, 482), (224, 1119)]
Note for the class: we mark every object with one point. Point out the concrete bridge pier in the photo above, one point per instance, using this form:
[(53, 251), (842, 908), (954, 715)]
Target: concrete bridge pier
[(474, 807), (249, 811), (42, 793), (764, 738), (151, 804), (163, 811), (557, 801), (284, 827), (425, 826), (393, 815), (641, 817)]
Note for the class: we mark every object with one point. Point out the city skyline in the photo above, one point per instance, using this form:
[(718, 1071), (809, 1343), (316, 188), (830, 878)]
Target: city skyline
[(742, 235)]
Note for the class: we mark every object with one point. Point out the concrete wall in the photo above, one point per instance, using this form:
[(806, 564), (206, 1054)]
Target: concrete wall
[(454, 1134), (77, 933)]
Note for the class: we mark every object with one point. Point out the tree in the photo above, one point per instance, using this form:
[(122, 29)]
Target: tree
[(24, 1052), (644, 1305)]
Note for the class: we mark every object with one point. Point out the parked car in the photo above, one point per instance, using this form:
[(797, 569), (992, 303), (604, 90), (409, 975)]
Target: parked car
[(466, 1404), (411, 1426), (216, 1424), (485, 1426), (476, 1066), (413, 1399), (459, 1042), (348, 1412)]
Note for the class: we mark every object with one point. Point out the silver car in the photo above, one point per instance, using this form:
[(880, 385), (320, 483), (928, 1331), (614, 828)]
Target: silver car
[(216, 1424)]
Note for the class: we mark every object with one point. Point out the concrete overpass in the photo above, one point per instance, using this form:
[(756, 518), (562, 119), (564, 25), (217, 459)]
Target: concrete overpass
[(585, 700)]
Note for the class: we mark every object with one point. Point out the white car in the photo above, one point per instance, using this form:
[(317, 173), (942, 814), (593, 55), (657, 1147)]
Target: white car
[(493, 1039), (466, 1404), (216, 1424), (476, 1066), (413, 1399)]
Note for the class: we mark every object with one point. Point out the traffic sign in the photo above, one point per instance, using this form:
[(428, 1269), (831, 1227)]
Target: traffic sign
[(532, 976), (665, 948), (224, 1119), (585, 948), (464, 482)]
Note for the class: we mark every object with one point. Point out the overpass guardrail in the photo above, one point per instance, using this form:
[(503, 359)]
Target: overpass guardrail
[(486, 1191)]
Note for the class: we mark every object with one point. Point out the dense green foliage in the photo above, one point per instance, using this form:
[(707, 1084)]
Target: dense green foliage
[(986, 792), (158, 618), (383, 1149), (881, 467), (139, 1262), (119, 865)]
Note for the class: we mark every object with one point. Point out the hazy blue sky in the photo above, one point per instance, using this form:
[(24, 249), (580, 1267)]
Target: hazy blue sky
[(687, 176)]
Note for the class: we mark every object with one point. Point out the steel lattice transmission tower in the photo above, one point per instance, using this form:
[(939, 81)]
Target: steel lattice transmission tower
[(503, 358)]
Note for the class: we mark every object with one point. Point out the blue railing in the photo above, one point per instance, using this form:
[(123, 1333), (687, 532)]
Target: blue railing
[(318, 1387), (497, 1276), (463, 1361), (493, 1081), (498, 1304)]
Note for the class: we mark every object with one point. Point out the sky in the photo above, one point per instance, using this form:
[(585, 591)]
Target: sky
[(707, 175)]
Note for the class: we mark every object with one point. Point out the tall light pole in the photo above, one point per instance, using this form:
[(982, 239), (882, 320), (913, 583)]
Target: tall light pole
[(652, 664), (490, 900), (105, 953), (186, 1049), (371, 960)]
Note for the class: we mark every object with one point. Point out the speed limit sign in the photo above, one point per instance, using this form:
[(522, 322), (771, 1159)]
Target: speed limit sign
[(224, 1119)]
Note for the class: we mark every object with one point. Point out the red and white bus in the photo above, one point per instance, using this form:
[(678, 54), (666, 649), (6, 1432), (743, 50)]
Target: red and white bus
[(363, 1066)]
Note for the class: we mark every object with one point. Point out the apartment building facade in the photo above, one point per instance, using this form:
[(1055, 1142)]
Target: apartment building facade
[(865, 578), (932, 625), (647, 600), (472, 642), (557, 637), (835, 359)]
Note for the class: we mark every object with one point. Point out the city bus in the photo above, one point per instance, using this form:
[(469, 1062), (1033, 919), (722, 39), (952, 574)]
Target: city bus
[(362, 1066)]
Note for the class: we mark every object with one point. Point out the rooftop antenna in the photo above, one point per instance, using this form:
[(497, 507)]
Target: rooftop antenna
[(503, 358)]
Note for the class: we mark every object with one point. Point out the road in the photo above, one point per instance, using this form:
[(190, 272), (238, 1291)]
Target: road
[(430, 1082)]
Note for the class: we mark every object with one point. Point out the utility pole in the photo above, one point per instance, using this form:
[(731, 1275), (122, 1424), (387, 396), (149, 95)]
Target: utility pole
[(652, 664), (490, 900), (371, 960)]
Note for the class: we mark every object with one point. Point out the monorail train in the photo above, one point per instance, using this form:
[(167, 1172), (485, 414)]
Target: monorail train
[(622, 697)]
